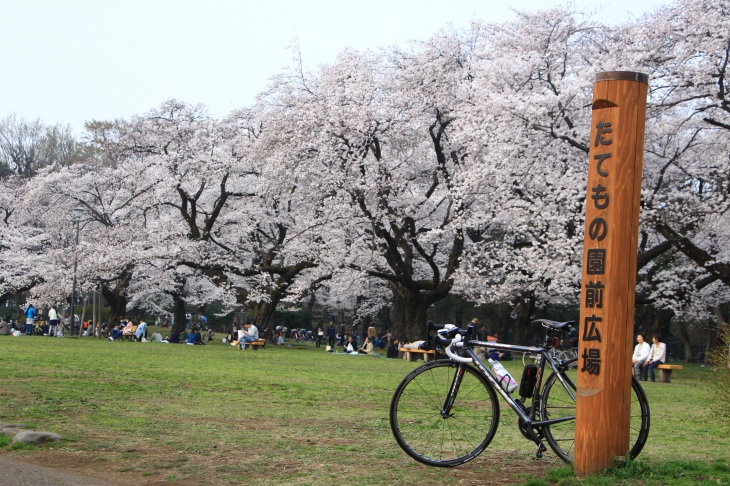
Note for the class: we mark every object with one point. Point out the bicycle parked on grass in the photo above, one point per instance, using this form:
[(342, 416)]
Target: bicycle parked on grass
[(445, 413)]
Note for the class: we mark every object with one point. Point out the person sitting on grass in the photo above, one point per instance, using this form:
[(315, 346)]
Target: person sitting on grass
[(198, 337), (367, 347), (141, 331), (193, 336), (116, 332), (393, 349), (351, 345)]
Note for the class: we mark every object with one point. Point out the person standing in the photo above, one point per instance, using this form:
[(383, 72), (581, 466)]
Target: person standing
[(52, 321), (30, 314), (657, 356), (481, 332), (318, 335), (641, 354), (331, 333)]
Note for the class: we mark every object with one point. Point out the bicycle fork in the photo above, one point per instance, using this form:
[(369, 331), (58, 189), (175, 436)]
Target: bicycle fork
[(451, 396)]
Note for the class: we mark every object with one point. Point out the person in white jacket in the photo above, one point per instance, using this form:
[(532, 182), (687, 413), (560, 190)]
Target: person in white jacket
[(657, 356), (53, 321), (641, 354)]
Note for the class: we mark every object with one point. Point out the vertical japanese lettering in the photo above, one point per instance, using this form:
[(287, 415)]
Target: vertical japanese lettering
[(590, 331), (594, 294), (596, 261), (591, 361)]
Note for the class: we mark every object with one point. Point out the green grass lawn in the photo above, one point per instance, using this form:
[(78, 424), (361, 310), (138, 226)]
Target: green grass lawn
[(211, 414)]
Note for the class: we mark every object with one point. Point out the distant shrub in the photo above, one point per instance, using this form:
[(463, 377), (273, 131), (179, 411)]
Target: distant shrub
[(720, 382)]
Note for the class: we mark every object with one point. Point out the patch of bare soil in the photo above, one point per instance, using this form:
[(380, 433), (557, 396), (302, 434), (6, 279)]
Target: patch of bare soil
[(114, 472), (506, 470)]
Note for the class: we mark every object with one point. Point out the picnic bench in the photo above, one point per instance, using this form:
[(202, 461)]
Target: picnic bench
[(255, 345), (665, 375), (129, 337), (412, 354)]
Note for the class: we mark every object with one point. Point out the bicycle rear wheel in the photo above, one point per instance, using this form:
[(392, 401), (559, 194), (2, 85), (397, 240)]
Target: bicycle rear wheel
[(556, 403), (424, 433)]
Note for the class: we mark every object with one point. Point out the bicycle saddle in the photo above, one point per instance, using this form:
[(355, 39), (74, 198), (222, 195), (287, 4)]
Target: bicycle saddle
[(554, 325)]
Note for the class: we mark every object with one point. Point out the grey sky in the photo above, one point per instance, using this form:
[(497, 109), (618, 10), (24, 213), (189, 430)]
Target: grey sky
[(75, 60)]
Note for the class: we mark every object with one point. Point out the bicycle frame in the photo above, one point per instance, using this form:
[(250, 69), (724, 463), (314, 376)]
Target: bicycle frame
[(527, 416)]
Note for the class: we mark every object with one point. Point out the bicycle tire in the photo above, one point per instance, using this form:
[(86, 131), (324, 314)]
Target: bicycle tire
[(561, 437), (419, 427)]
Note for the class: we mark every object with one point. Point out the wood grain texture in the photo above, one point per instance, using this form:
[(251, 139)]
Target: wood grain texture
[(602, 422)]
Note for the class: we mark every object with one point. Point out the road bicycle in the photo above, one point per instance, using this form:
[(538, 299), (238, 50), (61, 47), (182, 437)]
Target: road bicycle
[(446, 412)]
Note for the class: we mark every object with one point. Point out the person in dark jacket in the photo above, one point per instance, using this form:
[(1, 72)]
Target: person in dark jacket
[(393, 349), (331, 333)]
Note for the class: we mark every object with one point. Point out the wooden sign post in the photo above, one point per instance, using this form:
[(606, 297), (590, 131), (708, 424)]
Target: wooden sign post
[(609, 270)]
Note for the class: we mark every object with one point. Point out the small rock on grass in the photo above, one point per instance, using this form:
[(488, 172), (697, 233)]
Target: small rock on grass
[(11, 430), (33, 437)]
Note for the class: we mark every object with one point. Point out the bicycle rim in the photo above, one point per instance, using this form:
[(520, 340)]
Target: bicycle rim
[(556, 403), (419, 427)]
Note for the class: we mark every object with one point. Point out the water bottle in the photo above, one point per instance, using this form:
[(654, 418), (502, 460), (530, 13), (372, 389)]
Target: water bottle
[(503, 377)]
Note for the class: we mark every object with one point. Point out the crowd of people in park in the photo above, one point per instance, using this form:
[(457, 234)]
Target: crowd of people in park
[(346, 339), (646, 357), (52, 325)]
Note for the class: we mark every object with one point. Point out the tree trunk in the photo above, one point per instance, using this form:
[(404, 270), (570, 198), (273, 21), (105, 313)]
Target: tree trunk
[(117, 304), (663, 323), (684, 337), (712, 332), (398, 315), (459, 316), (644, 316), (524, 309), (117, 297), (409, 323), (384, 317), (263, 314), (179, 322)]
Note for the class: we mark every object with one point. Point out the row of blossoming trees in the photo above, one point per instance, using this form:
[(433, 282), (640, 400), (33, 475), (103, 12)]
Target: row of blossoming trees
[(397, 177)]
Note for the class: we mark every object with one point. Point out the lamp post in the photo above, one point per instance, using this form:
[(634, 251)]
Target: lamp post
[(78, 213)]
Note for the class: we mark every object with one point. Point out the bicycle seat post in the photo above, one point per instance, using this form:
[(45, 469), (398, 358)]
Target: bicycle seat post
[(470, 333)]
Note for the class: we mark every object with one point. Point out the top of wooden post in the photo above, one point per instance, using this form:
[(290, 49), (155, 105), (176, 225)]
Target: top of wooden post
[(622, 76)]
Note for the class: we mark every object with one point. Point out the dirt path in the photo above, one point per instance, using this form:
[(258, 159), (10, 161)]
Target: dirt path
[(17, 473)]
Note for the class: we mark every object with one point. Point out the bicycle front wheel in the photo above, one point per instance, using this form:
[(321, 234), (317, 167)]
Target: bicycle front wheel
[(439, 439), (556, 403)]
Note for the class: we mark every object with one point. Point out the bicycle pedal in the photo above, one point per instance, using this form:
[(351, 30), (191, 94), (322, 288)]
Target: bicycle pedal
[(540, 449)]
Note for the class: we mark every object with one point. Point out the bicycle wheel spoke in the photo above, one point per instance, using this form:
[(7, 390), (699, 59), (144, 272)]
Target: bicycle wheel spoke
[(422, 430), (557, 403)]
